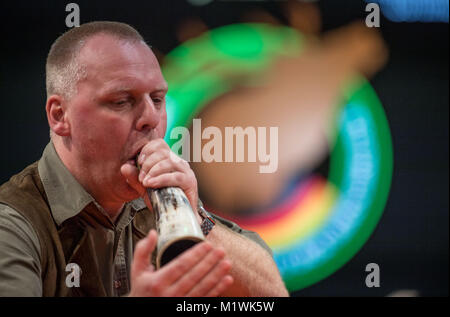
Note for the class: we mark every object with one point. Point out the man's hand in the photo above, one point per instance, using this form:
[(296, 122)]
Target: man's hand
[(199, 271), (160, 167)]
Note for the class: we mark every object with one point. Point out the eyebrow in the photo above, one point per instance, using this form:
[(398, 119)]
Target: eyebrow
[(125, 89), (164, 87)]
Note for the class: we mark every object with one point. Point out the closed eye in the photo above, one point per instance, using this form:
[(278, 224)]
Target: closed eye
[(158, 102), (122, 102)]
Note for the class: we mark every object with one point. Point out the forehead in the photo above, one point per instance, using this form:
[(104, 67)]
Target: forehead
[(111, 61)]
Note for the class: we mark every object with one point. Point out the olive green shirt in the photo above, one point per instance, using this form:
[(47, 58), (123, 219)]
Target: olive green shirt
[(20, 258)]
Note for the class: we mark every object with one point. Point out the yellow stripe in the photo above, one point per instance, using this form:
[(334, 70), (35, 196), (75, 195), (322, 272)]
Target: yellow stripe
[(302, 221)]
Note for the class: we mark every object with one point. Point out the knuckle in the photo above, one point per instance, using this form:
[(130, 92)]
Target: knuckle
[(179, 178), (167, 163), (173, 157), (184, 164), (161, 144)]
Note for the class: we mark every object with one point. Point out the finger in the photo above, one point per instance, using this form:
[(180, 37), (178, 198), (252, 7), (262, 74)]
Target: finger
[(197, 273), (166, 166), (175, 179), (212, 280), (143, 252), (225, 283), (154, 146), (130, 173), (149, 162), (183, 263)]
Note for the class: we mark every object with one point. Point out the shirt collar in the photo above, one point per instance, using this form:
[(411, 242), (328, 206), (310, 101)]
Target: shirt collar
[(65, 195)]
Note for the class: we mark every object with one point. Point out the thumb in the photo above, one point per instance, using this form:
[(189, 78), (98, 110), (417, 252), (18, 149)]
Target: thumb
[(143, 253), (130, 173)]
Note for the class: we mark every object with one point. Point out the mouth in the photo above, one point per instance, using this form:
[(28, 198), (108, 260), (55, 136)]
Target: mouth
[(133, 159)]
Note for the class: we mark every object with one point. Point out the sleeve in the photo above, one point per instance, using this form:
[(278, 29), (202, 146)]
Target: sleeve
[(234, 227), (20, 265)]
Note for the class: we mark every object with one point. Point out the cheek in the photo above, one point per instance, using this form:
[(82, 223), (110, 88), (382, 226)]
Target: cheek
[(162, 125), (101, 133)]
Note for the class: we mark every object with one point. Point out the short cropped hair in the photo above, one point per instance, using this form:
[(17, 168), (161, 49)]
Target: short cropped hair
[(63, 70)]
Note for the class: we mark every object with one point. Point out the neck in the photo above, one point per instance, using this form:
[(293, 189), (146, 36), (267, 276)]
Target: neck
[(111, 206), (112, 210)]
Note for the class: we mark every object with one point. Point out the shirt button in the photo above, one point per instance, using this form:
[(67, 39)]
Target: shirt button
[(117, 284)]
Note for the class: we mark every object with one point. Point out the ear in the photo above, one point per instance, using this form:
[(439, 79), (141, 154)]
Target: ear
[(56, 115)]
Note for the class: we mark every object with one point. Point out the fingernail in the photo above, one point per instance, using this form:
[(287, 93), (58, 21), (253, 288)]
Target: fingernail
[(141, 176), (146, 180)]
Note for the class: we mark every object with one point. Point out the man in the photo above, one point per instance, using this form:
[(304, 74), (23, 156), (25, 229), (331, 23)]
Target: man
[(80, 204)]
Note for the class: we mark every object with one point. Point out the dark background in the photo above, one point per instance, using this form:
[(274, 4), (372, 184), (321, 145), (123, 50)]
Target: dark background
[(410, 244)]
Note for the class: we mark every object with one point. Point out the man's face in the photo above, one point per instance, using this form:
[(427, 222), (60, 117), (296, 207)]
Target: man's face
[(118, 108)]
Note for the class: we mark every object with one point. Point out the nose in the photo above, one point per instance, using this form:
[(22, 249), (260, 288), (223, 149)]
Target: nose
[(149, 115)]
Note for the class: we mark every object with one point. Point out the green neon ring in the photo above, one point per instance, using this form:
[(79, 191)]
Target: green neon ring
[(360, 92)]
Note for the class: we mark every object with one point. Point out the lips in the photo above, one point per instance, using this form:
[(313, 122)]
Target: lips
[(133, 158), (131, 162)]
